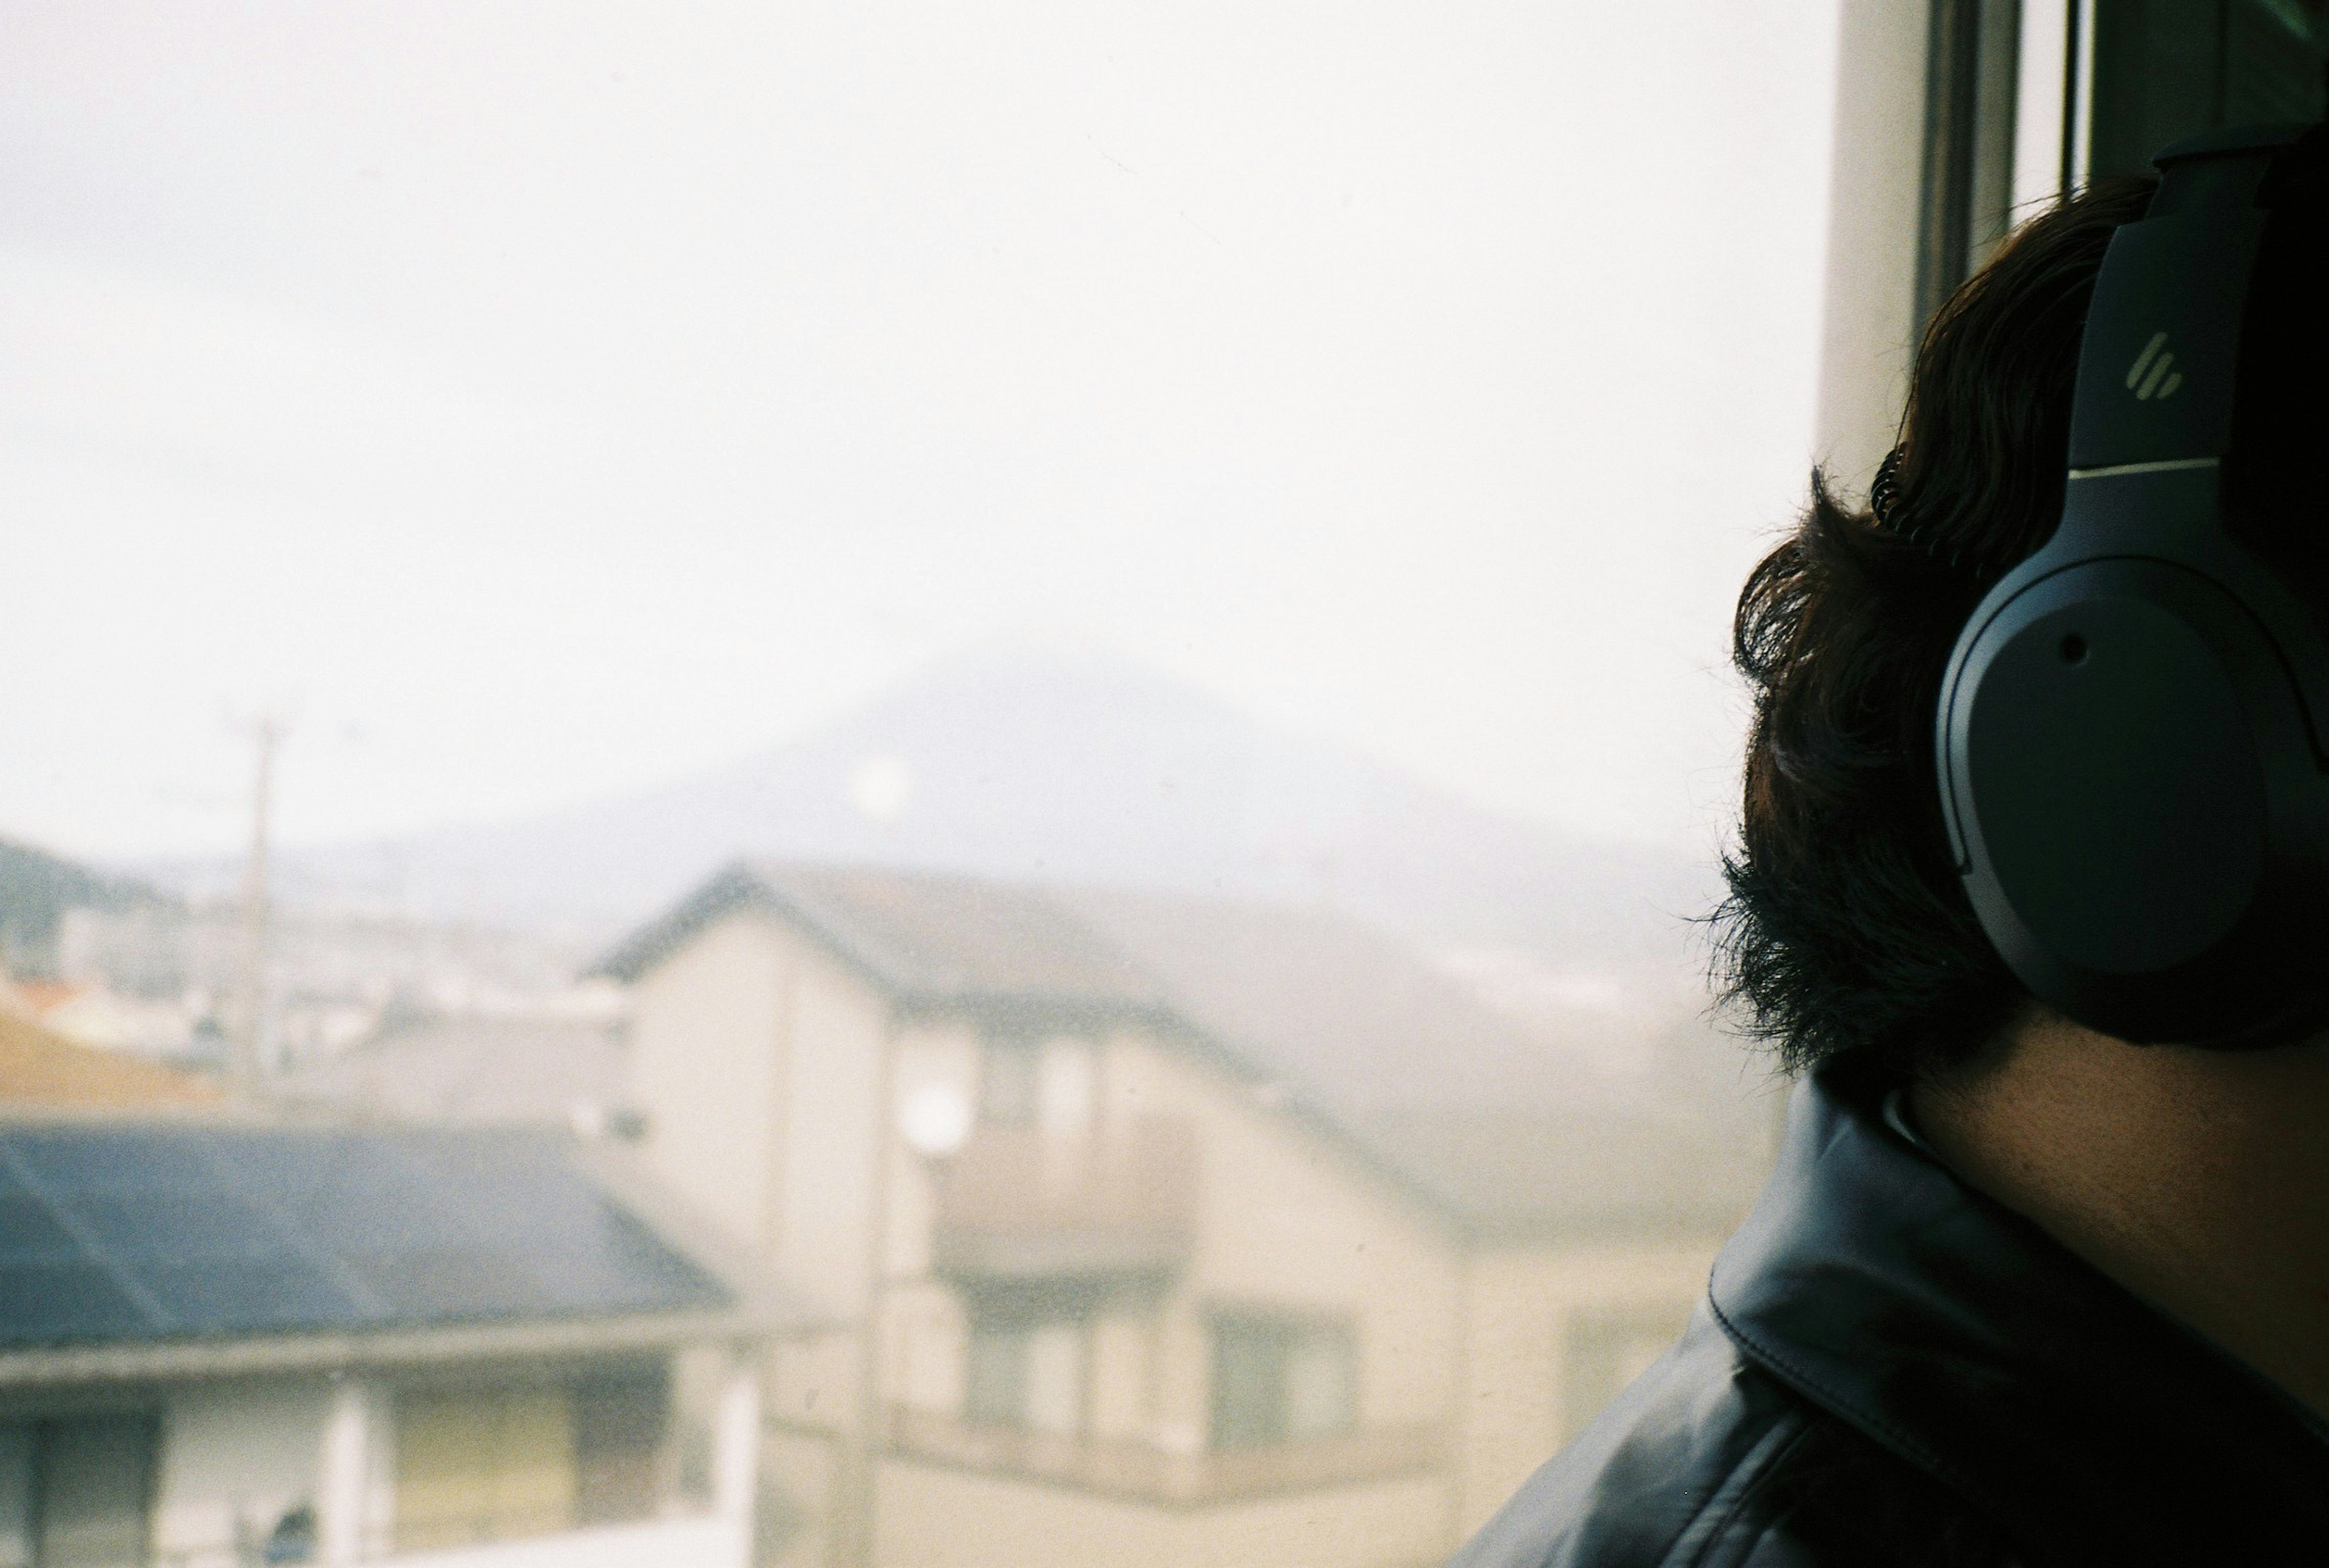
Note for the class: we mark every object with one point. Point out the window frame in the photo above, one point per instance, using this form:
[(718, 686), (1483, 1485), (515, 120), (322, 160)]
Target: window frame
[(1282, 1332), (1017, 1331)]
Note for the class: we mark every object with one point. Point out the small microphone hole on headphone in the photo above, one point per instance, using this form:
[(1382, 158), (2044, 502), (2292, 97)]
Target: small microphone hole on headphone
[(2073, 649)]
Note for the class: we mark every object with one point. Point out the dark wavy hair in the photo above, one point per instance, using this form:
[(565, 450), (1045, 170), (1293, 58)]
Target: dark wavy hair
[(1846, 928)]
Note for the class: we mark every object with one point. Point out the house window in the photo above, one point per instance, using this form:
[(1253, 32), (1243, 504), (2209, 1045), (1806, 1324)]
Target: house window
[(621, 1420), (482, 1464), (1279, 1380), (1030, 1082), (1027, 1376), (77, 1493), (529, 1459)]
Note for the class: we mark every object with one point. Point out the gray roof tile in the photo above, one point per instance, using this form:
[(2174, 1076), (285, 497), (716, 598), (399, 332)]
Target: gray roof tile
[(114, 1234)]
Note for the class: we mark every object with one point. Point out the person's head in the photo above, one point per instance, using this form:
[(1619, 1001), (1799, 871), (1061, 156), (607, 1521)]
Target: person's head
[(1847, 929), (2197, 1177)]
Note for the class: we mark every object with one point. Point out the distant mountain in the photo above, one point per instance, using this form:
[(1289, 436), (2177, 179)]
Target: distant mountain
[(1082, 772)]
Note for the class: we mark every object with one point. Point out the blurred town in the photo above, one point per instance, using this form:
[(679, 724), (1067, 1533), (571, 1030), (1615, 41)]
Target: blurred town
[(1064, 1122), (459, 1108), (1043, 1117)]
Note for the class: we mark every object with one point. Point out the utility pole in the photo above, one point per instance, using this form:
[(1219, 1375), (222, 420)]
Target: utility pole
[(248, 1067)]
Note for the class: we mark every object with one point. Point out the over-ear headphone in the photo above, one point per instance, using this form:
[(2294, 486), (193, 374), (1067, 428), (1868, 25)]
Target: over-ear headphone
[(2130, 734)]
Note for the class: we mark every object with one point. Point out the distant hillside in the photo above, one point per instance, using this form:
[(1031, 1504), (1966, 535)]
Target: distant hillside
[(36, 889), (1064, 772)]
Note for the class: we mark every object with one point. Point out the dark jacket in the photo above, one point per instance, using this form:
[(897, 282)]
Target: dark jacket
[(1892, 1369)]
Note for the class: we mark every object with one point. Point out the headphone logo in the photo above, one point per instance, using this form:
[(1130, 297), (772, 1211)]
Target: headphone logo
[(2153, 372)]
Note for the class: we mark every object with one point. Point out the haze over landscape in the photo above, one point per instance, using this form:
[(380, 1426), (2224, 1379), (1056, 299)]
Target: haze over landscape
[(836, 782), (654, 386), (1075, 773), (1036, 768)]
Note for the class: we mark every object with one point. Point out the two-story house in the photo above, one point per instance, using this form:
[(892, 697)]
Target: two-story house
[(1152, 1229)]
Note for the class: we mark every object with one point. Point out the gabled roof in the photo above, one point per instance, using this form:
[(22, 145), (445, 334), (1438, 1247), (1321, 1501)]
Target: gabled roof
[(117, 1236), (1318, 1002), (1489, 1123), (1493, 1122), (921, 937), (507, 1072)]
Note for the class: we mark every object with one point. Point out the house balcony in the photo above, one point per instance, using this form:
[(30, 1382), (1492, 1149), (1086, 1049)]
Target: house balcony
[(1143, 1472), (1021, 1206)]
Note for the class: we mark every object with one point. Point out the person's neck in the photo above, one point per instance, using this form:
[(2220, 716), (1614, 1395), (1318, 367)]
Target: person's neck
[(2198, 1179)]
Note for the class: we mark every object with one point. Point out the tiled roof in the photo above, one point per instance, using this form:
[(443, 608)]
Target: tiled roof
[(922, 937), (1493, 1122), (113, 1235), (959, 937), (539, 1072)]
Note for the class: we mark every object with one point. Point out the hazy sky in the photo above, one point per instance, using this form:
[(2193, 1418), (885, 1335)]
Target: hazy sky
[(544, 400)]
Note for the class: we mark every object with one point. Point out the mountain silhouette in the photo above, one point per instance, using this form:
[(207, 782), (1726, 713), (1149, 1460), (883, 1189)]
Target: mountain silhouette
[(1064, 770)]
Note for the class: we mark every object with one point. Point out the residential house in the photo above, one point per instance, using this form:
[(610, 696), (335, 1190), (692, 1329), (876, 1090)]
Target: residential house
[(1153, 1229), (231, 1344)]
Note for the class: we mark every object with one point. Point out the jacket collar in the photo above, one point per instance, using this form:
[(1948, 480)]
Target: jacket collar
[(2083, 1422)]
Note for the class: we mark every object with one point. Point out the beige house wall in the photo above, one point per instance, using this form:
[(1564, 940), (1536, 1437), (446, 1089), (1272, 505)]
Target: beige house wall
[(760, 1060), (798, 1473), (1290, 1220), (1551, 1327), (706, 1046), (812, 1380), (934, 1518), (837, 1129)]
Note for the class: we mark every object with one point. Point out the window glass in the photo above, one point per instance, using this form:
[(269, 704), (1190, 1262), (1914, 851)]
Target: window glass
[(1064, 665), (483, 1464), (1278, 1380), (1248, 1379), (994, 1375), (16, 1497), (1029, 1375), (619, 1424), (94, 1479)]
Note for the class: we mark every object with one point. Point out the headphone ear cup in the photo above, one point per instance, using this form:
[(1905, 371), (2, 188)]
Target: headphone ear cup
[(2109, 739)]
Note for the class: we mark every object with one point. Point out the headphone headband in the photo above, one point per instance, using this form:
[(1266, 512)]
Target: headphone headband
[(2161, 350), (2126, 739)]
